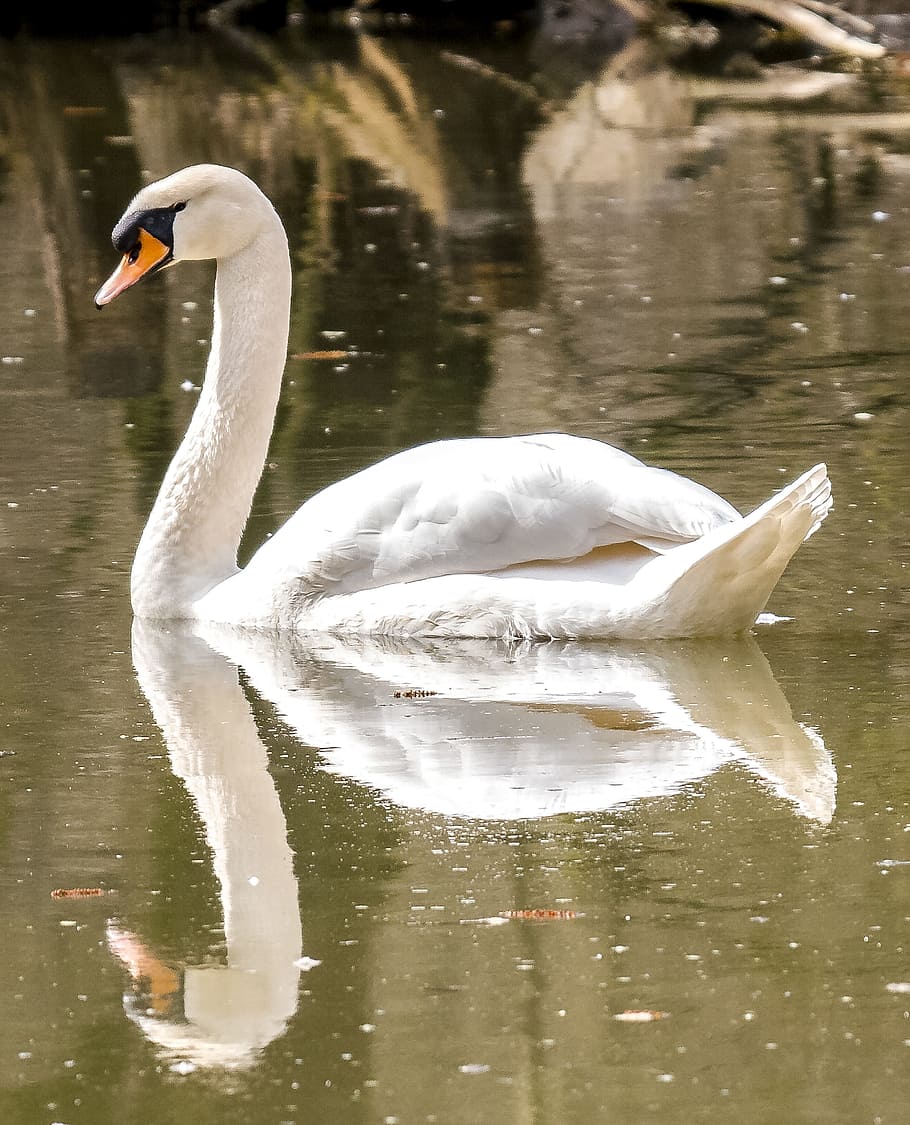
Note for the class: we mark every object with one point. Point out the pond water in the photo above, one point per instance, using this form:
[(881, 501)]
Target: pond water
[(299, 859)]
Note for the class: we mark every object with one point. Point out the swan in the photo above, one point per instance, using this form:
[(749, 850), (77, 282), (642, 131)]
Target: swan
[(534, 536)]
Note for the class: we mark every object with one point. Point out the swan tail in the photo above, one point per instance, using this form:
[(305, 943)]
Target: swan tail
[(723, 580)]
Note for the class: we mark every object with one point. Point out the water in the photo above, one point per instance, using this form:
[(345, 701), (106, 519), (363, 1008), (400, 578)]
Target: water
[(306, 852)]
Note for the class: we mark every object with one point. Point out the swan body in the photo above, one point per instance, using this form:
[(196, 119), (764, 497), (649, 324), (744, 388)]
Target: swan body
[(543, 535)]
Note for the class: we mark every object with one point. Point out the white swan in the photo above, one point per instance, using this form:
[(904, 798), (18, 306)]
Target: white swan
[(538, 536)]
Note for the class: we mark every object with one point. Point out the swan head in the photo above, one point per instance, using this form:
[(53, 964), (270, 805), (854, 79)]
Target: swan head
[(205, 211)]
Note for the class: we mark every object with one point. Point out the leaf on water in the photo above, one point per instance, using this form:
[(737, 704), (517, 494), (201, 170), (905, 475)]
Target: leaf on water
[(330, 354), (538, 915)]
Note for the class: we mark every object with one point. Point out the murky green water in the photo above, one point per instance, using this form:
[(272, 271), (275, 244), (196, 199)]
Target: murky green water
[(306, 859)]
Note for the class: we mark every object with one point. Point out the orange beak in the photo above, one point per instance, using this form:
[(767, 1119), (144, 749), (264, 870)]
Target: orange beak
[(145, 255)]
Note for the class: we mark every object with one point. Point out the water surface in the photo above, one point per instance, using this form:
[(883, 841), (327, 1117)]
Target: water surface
[(307, 848)]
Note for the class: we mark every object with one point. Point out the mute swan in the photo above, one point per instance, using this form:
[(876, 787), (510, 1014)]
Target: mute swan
[(544, 535)]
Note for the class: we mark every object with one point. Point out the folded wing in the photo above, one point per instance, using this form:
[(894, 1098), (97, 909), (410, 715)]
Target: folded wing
[(476, 505)]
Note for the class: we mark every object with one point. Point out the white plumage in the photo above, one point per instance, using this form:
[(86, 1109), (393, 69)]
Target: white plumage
[(544, 535)]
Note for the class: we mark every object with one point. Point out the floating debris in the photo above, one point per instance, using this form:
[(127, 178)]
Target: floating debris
[(332, 355), (414, 693), (304, 964), (640, 1015), (78, 892), (541, 915)]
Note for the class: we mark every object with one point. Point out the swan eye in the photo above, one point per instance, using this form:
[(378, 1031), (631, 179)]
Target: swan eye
[(178, 206), (134, 253)]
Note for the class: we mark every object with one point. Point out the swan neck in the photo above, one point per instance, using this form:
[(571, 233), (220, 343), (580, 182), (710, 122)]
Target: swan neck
[(192, 536)]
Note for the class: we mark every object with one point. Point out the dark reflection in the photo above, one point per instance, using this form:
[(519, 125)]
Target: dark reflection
[(65, 116), (616, 212), (695, 241)]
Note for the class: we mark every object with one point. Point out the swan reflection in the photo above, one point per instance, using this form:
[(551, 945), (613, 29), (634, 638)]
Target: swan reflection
[(467, 729), (486, 730), (218, 1015)]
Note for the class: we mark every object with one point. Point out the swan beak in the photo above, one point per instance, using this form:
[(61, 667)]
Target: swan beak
[(148, 253)]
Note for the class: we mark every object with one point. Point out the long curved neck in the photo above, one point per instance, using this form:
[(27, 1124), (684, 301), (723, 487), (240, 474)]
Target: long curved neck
[(190, 542)]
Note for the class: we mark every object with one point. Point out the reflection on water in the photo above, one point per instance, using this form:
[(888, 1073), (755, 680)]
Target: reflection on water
[(494, 242), (219, 1015), (496, 732), (505, 733)]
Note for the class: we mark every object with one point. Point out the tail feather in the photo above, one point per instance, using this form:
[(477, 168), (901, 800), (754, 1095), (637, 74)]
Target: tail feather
[(809, 494), (723, 580)]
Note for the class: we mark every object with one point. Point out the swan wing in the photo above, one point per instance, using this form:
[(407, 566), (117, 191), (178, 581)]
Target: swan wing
[(475, 505)]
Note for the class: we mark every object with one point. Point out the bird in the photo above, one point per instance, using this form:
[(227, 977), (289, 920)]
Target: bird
[(523, 537)]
